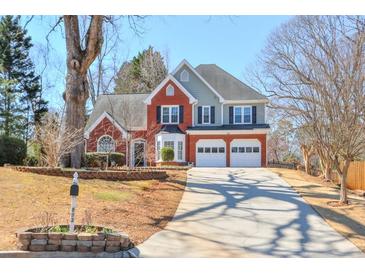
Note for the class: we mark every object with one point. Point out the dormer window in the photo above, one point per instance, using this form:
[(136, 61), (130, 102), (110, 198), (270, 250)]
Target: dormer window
[(170, 90), (184, 76)]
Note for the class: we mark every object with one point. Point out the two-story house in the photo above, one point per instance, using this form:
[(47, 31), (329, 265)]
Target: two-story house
[(209, 118)]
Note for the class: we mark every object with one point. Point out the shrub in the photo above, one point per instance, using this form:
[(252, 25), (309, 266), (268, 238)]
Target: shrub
[(116, 158), (95, 159), (30, 161), (167, 154), (12, 150)]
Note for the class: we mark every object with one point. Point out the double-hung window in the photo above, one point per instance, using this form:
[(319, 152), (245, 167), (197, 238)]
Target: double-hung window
[(242, 115), (206, 114), (170, 114)]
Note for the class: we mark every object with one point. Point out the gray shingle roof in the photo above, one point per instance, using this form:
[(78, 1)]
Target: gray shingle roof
[(113, 104), (229, 87)]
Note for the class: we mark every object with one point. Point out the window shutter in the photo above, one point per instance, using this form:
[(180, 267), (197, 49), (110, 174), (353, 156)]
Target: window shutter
[(158, 114), (181, 114), (231, 115), (212, 114), (199, 115), (253, 114)]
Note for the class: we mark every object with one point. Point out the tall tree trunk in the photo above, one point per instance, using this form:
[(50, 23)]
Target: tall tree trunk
[(307, 152), (343, 180), (78, 62), (76, 95)]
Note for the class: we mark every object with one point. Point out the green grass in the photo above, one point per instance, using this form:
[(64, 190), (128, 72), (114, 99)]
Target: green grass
[(113, 196)]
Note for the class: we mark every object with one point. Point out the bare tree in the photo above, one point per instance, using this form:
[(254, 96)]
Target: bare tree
[(313, 66), (56, 140)]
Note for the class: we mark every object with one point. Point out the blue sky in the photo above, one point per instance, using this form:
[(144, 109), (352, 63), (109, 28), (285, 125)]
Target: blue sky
[(230, 42)]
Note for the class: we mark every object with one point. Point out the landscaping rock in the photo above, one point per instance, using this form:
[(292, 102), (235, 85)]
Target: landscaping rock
[(112, 249), (24, 242), (68, 248), (55, 236), (84, 243), (38, 242), (70, 236), (69, 242), (81, 248), (125, 241), (99, 243), (113, 236), (23, 247), (24, 235), (85, 237), (54, 242), (40, 235), (98, 237), (52, 247), (37, 248), (97, 249)]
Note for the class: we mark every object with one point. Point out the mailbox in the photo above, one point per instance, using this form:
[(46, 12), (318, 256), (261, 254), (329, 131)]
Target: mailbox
[(74, 190)]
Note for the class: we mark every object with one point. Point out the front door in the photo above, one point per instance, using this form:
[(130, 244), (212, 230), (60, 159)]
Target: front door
[(139, 154)]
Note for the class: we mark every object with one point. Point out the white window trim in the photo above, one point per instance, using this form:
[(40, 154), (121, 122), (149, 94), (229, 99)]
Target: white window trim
[(97, 144), (187, 76), (170, 107), (203, 115), (167, 90), (242, 115), (133, 142), (173, 137)]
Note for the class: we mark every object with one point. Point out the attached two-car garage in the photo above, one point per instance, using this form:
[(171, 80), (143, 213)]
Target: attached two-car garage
[(243, 153)]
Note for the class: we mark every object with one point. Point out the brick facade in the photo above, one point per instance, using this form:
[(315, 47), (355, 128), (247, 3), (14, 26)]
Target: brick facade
[(193, 139), (160, 99)]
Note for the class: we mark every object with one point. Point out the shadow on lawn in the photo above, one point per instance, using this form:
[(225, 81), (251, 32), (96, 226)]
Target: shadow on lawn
[(298, 223)]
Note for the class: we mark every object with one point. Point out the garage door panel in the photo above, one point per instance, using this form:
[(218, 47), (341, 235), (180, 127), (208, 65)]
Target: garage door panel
[(245, 153), (211, 153)]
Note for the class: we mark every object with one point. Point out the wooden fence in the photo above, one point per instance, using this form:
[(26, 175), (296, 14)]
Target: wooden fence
[(356, 175)]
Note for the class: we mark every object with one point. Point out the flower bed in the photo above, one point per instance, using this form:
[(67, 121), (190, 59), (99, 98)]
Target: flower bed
[(113, 175), (50, 239)]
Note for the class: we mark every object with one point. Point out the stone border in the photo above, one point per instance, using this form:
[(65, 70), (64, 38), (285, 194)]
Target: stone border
[(112, 175), (34, 241)]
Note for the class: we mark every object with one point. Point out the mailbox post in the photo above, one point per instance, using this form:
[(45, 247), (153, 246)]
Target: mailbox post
[(74, 192)]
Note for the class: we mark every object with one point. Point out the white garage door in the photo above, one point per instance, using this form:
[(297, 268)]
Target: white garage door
[(211, 153), (245, 153)]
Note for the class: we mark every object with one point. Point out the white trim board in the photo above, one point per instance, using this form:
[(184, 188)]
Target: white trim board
[(169, 77), (228, 132), (185, 62), (101, 117)]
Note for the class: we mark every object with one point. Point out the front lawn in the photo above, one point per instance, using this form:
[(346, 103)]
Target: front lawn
[(139, 208), (347, 220)]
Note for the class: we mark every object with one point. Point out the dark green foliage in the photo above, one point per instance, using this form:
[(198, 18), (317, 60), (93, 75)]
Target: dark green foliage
[(167, 154), (99, 159), (30, 161), (21, 103), (12, 150), (142, 74)]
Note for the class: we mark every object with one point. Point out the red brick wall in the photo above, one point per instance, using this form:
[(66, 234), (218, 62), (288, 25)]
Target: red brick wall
[(228, 139), (160, 99), (105, 127)]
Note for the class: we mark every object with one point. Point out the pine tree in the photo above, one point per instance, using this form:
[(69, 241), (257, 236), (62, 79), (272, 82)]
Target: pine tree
[(21, 103), (142, 74)]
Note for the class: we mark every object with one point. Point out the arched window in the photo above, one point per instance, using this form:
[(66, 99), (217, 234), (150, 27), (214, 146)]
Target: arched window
[(170, 90), (106, 144), (184, 76)]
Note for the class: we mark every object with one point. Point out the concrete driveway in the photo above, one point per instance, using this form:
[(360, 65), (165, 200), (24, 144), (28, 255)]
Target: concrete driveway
[(231, 212)]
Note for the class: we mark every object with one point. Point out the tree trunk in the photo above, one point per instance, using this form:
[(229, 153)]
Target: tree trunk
[(76, 95), (343, 179), (78, 62), (327, 171)]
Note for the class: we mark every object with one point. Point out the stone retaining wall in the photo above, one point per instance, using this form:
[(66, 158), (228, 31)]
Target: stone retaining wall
[(71, 242), (113, 175)]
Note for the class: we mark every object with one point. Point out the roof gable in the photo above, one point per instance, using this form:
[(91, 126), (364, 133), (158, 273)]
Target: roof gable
[(190, 67), (170, 77)]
